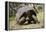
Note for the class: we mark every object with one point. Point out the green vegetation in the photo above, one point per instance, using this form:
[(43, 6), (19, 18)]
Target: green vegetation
[(12, 12)]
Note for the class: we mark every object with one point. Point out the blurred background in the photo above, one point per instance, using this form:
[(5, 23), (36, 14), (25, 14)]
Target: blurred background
[(13, 6)]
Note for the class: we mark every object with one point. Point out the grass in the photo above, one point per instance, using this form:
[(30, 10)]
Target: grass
[(12, 18)]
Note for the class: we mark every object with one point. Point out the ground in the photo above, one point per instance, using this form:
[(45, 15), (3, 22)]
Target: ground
[(12, 23)]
